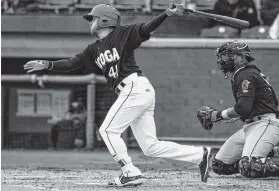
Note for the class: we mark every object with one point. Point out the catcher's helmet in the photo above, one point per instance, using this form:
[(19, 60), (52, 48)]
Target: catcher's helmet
[(108, 15), (230, 50), (235, 47)]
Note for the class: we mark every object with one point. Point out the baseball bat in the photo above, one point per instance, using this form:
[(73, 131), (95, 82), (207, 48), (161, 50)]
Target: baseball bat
[(223, 19)]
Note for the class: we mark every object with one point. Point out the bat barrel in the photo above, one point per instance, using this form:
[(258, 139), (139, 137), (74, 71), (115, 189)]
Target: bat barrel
[(223, 19)]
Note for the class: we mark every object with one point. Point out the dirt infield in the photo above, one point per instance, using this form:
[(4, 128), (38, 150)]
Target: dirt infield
[(74, 170)]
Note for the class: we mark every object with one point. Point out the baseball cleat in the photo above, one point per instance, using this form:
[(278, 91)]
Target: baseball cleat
[(123, 180), (204, 166)]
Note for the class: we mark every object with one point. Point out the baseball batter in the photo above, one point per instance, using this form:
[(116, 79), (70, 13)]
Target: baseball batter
[(256, 105), (113, 56)]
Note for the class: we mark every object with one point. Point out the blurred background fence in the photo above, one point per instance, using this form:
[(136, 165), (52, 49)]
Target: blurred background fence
[(183, 73), (178, 59), (29, 110)]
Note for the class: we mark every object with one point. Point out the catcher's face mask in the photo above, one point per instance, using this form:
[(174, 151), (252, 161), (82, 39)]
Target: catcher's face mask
[(226, 62)]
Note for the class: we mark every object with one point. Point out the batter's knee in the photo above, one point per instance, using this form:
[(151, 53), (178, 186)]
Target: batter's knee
[(107, 131), (224, 169), (255, 167), (150, 150)]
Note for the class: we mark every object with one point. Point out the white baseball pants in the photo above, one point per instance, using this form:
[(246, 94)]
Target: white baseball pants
[(135, 107), (256, 139)]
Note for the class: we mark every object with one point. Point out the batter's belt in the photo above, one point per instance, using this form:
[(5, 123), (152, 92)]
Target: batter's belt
[(260, 117), (123, 83)]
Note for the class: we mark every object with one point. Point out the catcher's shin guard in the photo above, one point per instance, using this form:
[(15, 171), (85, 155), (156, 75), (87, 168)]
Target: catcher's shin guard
[(253, 167)]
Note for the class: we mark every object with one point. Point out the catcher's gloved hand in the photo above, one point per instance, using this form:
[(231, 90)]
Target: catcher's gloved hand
[(36, 65), (175, 9), (207, 116)]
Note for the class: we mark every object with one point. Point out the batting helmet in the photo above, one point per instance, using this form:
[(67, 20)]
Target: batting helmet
[(108, 15)]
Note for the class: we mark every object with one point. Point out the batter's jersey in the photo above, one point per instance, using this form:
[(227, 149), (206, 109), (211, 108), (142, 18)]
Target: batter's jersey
[(113, 56), (249, 81)]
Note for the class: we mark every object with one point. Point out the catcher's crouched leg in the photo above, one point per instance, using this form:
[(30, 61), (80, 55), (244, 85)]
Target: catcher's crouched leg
[(253, 167), (224, 169)]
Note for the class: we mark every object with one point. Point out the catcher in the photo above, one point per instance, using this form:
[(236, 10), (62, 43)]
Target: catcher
[(246, 151)]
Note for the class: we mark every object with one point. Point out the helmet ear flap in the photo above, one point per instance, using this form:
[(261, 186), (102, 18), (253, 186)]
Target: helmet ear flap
[(103, 22)]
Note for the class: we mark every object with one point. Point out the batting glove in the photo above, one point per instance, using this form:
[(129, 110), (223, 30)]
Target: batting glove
[(36, 65), (175, 9)]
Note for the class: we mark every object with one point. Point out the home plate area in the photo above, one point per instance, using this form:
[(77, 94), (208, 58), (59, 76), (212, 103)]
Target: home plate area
[(74, 170)]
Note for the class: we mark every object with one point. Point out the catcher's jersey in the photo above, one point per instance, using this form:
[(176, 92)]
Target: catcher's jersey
[(249, 81), (113, 56)]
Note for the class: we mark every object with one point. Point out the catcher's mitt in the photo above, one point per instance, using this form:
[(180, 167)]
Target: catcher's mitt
[(207, 115)]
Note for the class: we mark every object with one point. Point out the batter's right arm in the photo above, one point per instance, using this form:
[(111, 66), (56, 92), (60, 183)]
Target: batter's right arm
[(84, 58), (59, 65)]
